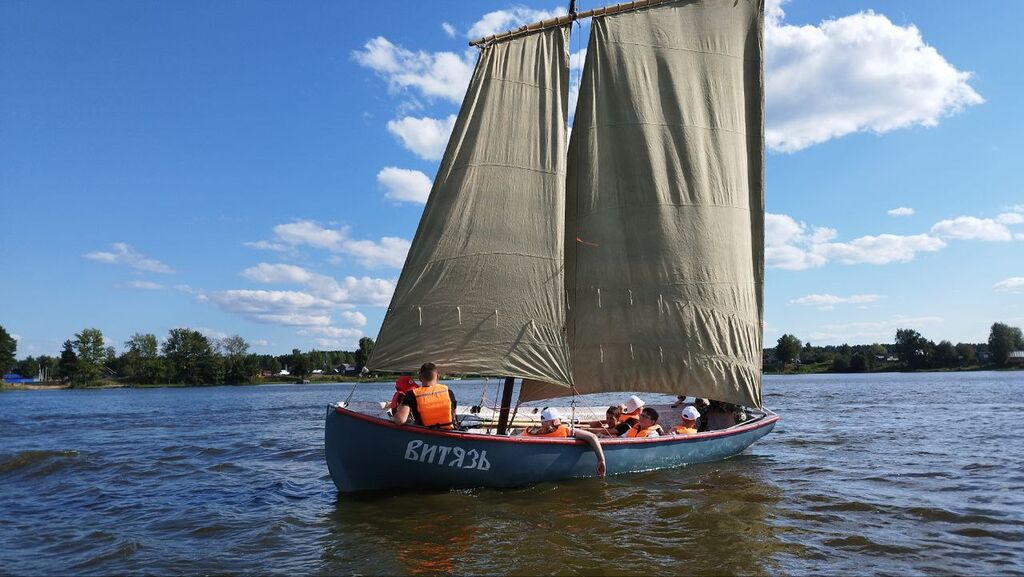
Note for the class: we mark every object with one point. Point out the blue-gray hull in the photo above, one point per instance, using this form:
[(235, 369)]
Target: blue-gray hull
[(366, 453)]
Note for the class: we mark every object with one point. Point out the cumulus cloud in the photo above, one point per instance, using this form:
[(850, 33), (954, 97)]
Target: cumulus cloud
[(502, 20), (832, 300), (1013, 284), (121, 253), (901, 211), (1010, 218), (972, 228), (878, 331), (290, 308), (793, 245), (349, 292), (389, 251), (425, 137), (853, 74), (404, 185), (433, 75), (448, 29)]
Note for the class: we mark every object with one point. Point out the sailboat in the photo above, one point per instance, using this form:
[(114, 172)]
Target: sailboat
[(630, 260)]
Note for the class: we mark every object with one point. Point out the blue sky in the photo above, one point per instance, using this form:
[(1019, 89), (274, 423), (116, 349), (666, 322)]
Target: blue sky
[(258, 168)]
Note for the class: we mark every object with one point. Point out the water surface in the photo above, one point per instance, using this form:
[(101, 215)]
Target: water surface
[(877, 474)]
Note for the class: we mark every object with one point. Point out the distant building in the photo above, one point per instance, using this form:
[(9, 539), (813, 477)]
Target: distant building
[(283, 373), (1015, 358), (16, 378), (317, 372)]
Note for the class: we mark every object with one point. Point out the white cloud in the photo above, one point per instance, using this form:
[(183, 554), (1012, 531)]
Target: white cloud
[(212, 334), (901, 211), (793, 245), (389, 251), (972, 228), (1013, 284), (448, 29), (121, 253), (354, 318), (260, 343), (878, 331), (267, 245), (144, 285), (404, 185), (291, 308), (277, 273), (1010, 218), (502, 20), (426, 137), (434, 75), (349, 292), (853, 74), (830, 300)]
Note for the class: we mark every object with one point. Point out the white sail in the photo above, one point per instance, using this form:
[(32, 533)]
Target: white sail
[(482, 289), (665, 210)]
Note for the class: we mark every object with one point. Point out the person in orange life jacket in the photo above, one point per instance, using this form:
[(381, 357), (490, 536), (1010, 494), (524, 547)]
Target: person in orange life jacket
[(629, 417), (551, 426), (611, 420), (402, 386), (689, 424), (430, 405), (647, 427)]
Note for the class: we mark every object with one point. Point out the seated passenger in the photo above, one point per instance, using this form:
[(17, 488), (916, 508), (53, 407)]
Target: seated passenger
[(631, 412), (647, 426), (680, 401), (689, 424), (611, 419), (402, 386), (551, 426), (429, 405), (720, 416)]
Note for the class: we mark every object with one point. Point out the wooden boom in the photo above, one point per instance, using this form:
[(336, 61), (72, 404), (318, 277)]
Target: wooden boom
[(568, 19)]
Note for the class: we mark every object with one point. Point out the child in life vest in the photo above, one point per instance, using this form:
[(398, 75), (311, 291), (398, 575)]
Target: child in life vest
[(402, 386)]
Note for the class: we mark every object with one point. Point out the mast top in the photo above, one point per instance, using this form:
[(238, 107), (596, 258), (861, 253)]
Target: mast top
[(569, 18)]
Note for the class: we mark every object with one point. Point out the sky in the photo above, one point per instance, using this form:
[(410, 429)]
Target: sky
[(259, 168)]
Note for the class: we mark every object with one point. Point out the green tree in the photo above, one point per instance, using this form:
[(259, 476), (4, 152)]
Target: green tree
[(840, 364), (8, 350), (91, 355), (967, 353), (858, 363), (910, 347), (141, 362), (239, 365), (363, 354), (190, 357), (945, 354), (67, 367), (47, 366), (1003, 339), (28, 367), (299, 363), (787, 349)]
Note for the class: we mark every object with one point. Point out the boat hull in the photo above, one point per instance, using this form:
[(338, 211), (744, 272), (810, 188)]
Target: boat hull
[(366, 453)]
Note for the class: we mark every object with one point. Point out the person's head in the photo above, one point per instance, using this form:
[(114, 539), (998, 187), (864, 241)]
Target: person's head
[(700, 403), (613, 412), (648, 417), (690, 416), (428, 373), (550, 417), (633, 404)]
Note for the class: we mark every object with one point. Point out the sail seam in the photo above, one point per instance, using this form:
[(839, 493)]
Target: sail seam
[(667, 125), (681, 49), (467, 165), (676, 204), (460, 256), (510, 81)]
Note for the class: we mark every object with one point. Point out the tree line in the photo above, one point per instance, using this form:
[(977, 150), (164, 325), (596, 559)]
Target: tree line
[(909, 350), (186, 357)]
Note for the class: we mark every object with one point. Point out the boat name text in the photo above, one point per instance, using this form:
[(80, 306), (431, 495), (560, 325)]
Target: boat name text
[(437, 455)]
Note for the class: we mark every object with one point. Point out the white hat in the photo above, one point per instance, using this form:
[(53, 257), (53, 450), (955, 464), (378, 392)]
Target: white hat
[(690, 413), (550, 414), (633, 404)]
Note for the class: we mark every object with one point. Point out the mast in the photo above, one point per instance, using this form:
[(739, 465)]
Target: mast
[(506, 403)]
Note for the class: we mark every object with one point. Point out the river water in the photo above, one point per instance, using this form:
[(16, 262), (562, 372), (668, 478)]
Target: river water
[(865, 474)]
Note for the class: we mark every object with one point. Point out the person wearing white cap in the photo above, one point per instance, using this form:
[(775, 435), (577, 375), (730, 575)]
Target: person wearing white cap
[(689, 424), (627, 419), (551, 426)]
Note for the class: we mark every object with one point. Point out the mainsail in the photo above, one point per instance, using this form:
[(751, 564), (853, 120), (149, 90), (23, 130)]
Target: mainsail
[(482, 289), (662, 216), (665, 211)]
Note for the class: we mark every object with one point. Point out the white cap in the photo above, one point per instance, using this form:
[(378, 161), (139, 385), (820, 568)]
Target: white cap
[(550, 414), (690, 413), (633, 404)]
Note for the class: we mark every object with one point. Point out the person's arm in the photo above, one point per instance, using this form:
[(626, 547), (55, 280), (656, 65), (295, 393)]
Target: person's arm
[(401, 414), (591, 439)]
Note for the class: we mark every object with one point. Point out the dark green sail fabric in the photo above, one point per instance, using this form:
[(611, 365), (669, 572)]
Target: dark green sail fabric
[(482, 289)]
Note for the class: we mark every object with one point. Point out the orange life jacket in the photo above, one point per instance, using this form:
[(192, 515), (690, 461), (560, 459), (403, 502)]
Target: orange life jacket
[(635, 416), (636, 432), (434, 406), (561, 431), (684, 430)]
